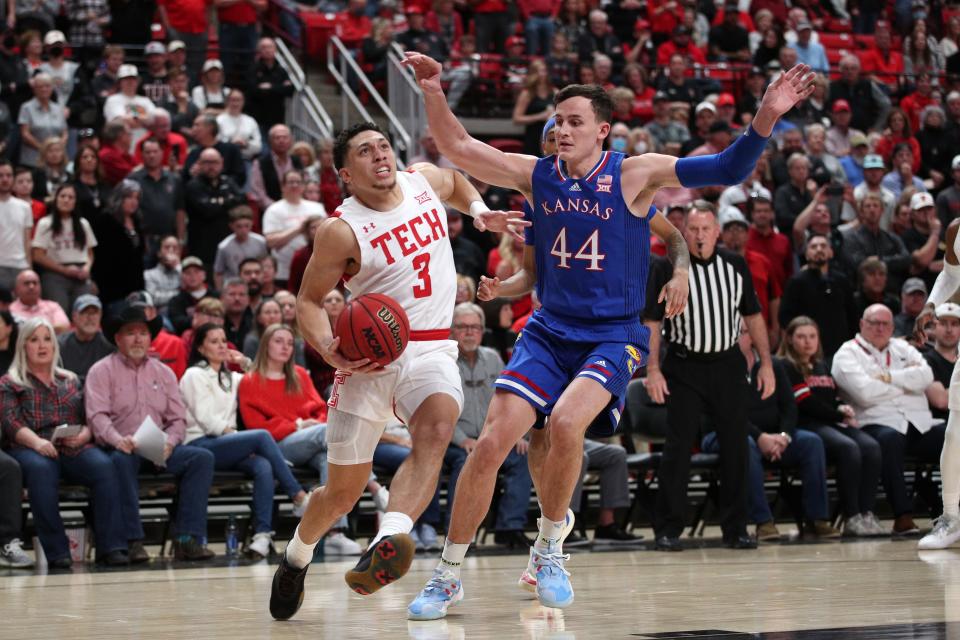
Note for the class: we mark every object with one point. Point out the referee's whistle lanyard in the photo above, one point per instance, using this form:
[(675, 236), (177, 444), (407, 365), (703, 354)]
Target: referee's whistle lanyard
[(873, 354)]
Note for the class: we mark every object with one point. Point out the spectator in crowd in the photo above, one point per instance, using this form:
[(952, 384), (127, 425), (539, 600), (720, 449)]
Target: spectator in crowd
[(936, 146), (207, 310), (63, 247), (913, 295), (355, 23), (719, 137), (61, 71), (298, 264), (680, 44), (764, 238), (320, 371), (40, 118), (883, 64), (873, 173), (704, 115), (868, 239), (872, 275), (51, 170), (418, 38), (941, 355), (30, 304), (193, 278), (948, 200), (89, 20), (479, 367), (791, 142), (823, 294), (448, 23), (122, 391), (239, 24), (92, 190), (840, 135), (104, 82), (238, 128), (599, 39), (165, 347), (23, 190), (668, 134), (162, 282), (283, 222), (734, 230), (251, 272), (922, 97), (126, 105), (430, 152), (154, 85), (467, 255), (884, 379), (271, 166), (16, 226), (534, 105), (12, 555), (773, 436), (209, 393), (898, 132), (237, 314), (268, 313), (305, 152), (239, 246), (538, 25), (183, 112), (205, 133), (83, 347), (901, 175), (118, 256), (828, 167), (852, 162), (493, 24), (8, 338), (729, 41), (172, 144), (854, 453), (163, 203), (209, 197), (116, 161), (188, 23), (561, 60), (791, 198), (921, 54), (37, 396), (922, 239), (810, 53), (676, 84), (868, 102), (270, 87), (210, 94), (278, 396)]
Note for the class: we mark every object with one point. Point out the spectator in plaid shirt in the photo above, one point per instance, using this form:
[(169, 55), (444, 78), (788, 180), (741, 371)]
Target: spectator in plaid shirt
[(36, 396)]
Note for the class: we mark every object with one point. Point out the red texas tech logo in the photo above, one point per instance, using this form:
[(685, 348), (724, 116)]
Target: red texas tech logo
[(338, 379)]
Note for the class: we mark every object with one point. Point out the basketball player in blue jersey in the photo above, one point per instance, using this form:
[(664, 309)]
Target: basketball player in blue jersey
[(587, 255)]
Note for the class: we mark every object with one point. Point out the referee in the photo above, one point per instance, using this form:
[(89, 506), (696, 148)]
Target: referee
[(704, 373)]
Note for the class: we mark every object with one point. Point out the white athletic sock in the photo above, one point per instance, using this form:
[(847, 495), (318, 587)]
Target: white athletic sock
[(452, 557), (298, 553), (550, 533), (950, 466), (392, 522)]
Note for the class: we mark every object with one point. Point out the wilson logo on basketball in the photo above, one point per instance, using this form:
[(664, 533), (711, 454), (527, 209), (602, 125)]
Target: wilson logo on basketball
[(394, 327)]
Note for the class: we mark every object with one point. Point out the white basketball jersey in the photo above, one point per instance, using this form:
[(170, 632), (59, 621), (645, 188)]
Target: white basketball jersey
[(406, 254)]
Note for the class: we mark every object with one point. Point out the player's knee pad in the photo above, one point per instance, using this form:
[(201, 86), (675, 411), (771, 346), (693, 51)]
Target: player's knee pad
[(350, 438)]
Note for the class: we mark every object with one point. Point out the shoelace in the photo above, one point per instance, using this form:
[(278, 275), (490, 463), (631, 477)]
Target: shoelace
[(439, 584), (942, 524), (551, 562), (13, 546)]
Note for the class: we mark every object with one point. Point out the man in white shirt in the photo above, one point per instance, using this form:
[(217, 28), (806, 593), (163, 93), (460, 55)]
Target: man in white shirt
[(873, 172), (136, 110), (283, 222), (16, 220), (884, 380)]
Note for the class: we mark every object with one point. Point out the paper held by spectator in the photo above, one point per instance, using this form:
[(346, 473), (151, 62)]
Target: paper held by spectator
[(151, 441), (66, 431)]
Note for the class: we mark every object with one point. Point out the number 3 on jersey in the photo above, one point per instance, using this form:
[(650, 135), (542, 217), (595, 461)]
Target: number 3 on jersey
[(422, 265), (588, 251)]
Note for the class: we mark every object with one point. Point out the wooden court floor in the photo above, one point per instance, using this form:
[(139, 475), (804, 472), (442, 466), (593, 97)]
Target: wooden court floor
[(874, 589)]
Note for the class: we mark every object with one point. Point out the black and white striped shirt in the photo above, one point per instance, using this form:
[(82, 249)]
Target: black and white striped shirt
[(721, 293)]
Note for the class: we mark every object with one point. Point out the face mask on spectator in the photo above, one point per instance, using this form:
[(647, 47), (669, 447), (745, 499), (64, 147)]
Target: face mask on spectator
[(640, 147), (619, 144)]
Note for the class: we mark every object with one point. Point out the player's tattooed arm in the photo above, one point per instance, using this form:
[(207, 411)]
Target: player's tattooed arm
[(675, 292)]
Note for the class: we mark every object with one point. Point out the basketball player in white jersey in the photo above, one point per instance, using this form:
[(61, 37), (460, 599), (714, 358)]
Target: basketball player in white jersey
[(390, 238), (946, 528)]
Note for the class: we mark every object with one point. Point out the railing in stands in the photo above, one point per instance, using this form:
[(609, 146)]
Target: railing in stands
[(405, 96), (344, 69), (306, 117)]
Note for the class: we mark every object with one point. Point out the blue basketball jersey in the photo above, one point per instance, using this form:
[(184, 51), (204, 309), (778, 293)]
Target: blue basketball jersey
[(592, 253)]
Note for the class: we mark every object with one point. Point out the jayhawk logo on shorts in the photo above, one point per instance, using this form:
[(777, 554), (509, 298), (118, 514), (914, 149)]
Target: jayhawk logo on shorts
[(635, 358)]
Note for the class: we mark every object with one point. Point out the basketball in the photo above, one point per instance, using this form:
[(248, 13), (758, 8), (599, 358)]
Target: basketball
[(373, 326)]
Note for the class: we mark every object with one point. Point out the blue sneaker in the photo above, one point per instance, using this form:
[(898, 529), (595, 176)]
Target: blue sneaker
[(553, 581), (528, 579), (442, 591)]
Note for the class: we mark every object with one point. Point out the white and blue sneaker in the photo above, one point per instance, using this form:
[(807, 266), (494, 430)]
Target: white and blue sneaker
[(442, 591), (528, 579), (553, 581)]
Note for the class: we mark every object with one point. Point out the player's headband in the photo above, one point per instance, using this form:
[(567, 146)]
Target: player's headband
[(551, 123)]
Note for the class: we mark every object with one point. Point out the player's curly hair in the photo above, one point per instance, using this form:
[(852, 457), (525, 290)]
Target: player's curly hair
[(342, 143)]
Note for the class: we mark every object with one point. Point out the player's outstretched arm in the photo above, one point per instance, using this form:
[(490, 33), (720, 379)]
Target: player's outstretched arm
[(947, 283), (675, 292), (453, 188), (480, 160), (735, 163), (333, 248), (518, 284)]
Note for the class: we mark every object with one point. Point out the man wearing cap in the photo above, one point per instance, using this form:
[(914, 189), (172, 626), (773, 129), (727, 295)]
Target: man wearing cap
[(922, 239), (668, 134), (680, 43), (154, 83), (734, 230), (83, 347), (840, 136), (852, 162), (193, 278), (187, 21), (868, 102), (808, 52), (704, 116), (122, 391), (727, 110), (948, 200), (729, 41), (941, 355), (913, 295), (873, 172), (61, 70), (165, 347), (135, 110)]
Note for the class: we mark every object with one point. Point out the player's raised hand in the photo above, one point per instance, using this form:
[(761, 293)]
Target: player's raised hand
[(675, 294), (502, 222), (426, 69), (787, 90), (923, 322), (331, 354), (489, 288)]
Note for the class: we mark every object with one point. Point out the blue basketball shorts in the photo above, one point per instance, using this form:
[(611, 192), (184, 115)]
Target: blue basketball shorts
[(550, 354)]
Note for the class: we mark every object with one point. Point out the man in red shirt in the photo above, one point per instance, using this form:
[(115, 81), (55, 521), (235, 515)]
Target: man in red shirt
[(734, 235), (882, 63), (238, 37), (763, 238), (919, 100), (172, 144), (355, 25), (538, 28), (115, 159), (188, 21), (493, 25), (680, 43), (664, 15)]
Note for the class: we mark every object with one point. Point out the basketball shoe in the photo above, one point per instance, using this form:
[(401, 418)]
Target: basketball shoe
[(946, 532), (442, 592), (383, 563), (286, 593), (553, 581), (528, 580)]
